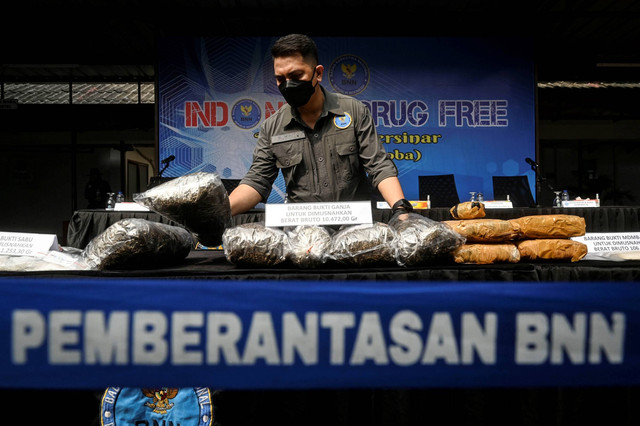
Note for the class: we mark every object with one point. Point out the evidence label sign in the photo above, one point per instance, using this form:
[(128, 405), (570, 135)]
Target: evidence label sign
[(331, 213)]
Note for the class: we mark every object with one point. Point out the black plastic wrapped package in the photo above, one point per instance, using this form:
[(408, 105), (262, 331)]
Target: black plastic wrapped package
[(422, 240), (364, 244), (138, 244), (199, 201), (253, 244)]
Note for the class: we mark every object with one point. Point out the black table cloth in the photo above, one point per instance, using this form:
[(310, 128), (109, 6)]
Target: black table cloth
[(86, 224), (212, 264)]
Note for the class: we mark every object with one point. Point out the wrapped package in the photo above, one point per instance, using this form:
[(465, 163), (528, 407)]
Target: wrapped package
[(485, 230), (551, 249), (364, 244), (550, 226), (468, 210), (308, 245), (138, 244), (422, 240), (487, 253), (199, 201), (67, 258), (253, 244)]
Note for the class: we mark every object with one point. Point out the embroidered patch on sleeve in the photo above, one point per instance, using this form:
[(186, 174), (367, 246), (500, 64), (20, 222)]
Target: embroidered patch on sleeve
[(150, 406)]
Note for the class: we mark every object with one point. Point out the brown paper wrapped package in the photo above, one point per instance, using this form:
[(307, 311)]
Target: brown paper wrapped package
[(551, 249), (487, 253), (485, 230), (550, 226), (468, 210)]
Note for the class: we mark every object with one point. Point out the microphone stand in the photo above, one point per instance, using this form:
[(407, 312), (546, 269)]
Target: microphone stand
[(539, 179), (167, 161), (164, 168), (157, 180)]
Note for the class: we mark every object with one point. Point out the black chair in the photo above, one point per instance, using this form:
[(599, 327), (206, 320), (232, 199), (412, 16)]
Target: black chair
[(516, 187), (230, 184), (441, 190)]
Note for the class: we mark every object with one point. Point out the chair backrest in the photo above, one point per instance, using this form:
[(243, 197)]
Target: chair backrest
[(441, 190), (516, 187)]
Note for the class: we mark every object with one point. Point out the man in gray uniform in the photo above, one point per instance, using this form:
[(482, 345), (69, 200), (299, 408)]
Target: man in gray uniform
[(325, 144)]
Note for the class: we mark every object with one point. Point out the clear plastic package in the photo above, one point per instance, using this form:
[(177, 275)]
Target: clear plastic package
[(253, 244), (422, 240), (67, 259), (199, 201), (309, 245), (135, 243), (364, 245)]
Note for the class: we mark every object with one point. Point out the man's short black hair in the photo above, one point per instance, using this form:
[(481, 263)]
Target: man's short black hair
[(293, 44)]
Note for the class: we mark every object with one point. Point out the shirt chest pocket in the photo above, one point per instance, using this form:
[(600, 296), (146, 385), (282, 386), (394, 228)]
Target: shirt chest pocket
[(346, 164), (288, 154), (346, 147), (289, 161)]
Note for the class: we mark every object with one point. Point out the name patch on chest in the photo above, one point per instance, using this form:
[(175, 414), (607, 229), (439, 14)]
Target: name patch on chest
[(288, 137)]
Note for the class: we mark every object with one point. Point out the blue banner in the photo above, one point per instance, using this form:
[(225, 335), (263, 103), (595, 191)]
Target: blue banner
[(88, 333), (462, 106)]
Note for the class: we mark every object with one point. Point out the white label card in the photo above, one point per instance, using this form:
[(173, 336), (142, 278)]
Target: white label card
[(581, 203), (128, 206), (498, 204), (25, 244), (417, 205), (331, 213), (610, 241)]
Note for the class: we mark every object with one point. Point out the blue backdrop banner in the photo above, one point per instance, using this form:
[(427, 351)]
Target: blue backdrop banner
[(462, 106), (87, 333)]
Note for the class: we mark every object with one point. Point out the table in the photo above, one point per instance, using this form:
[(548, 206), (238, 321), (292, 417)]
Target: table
[(86, 224), (213, 265), (446, 391), (453, 403), (204, 281)]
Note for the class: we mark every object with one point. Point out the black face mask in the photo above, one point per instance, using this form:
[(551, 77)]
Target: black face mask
[(297, 92)]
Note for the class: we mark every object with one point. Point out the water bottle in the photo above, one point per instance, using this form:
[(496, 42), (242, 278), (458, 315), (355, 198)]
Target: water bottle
[(111, 202), (565, 195), (120, 197)]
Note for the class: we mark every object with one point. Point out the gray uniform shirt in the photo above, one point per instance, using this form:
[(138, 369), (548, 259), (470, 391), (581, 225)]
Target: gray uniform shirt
[(328, 163)]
